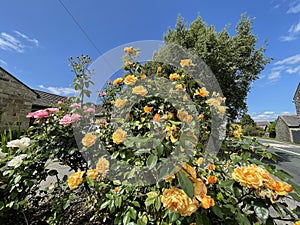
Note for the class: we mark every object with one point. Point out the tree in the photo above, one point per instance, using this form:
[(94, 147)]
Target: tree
[(235, 60), (247, 120)]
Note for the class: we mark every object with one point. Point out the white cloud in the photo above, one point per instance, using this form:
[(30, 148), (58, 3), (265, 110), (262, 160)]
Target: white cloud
[(293, 31), (33, 40), (17, 42), (275, 75), (295, 7), (3, 63), (290, 60), (289, 65), (65, 91), (267, 115), (264, 116)]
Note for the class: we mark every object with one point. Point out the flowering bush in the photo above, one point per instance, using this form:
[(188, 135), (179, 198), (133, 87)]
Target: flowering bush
[(151, 165)]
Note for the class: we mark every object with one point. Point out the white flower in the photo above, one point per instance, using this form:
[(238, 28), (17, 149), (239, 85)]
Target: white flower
[(17, 161), (19, 143), (2, 154)]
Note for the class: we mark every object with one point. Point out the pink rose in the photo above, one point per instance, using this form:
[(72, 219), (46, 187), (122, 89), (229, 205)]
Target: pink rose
[(52, 110), (90, 110), (60, 103), (75, 105), (75, 117), (66, 120), (103, 94)]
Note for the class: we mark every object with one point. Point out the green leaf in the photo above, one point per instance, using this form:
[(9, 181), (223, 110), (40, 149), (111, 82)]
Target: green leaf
[(105, 204), (126, 218), (202, 219), (261, 212), (295, 196), (157, 204), (151, 161), (282, 175), (173, 216), (52, 172), (66, 204), (186, 184), (242, 219)]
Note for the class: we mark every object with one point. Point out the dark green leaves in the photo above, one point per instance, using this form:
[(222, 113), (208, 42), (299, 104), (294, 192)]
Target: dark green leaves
[(186, 184)]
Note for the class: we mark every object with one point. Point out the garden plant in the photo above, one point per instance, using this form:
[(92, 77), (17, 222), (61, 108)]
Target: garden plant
[(144, 159)]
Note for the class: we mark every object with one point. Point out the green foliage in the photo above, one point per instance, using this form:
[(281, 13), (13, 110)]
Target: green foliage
[(247, 120), (234, 59), (271, 129)]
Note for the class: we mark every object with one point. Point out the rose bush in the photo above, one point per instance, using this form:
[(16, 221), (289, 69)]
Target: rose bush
[(143, 161)]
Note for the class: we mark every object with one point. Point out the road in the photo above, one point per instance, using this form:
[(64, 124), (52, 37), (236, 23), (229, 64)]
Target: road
[(288, 156)]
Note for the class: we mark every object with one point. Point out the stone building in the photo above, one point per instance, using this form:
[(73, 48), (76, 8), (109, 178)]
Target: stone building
[(288, 126), (17, 100)]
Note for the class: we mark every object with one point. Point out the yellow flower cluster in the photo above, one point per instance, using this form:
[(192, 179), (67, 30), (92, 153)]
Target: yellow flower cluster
[(253, 176), (237, 132), (177, 200), (170, 130), (216, 100)]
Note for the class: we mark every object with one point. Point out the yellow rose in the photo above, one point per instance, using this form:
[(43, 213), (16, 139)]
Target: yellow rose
[(189, 170), (156, 117), (201, 116), (250, 176), (75, 179), (117, 81), (200, 189), (130, 51), (211, 167), (143, 76), (212, 179), (169, 178), (202, 92), (207, 202), (199, 161), (102, 166), (89, 140), (119, 136), (174, 76), (119, 103), (281, 188), (92, 174), (297, 223), (179, 87), (147, 109), (177, 200), (186, 63), (191, 208), (139, 90), (159, 69), (130, 80)]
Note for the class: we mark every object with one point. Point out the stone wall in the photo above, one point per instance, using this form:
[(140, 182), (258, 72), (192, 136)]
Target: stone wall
[(282, 130), (15, 101)]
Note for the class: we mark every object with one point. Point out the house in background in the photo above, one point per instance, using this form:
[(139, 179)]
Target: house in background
[(17, 100), (263, 125), (288, 126)]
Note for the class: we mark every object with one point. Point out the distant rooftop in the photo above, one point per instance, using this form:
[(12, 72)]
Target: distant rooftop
[(290, 120), (46, 99)]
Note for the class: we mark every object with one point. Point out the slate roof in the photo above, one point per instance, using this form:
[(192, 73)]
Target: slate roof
[(291, 121), (262, 123), (45, 99)]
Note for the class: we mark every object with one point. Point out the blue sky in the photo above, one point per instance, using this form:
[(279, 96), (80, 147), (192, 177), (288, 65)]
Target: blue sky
[(37, 38)]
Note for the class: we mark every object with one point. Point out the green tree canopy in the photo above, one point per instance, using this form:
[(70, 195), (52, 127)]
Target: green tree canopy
[(234, 59), (247, 120)]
